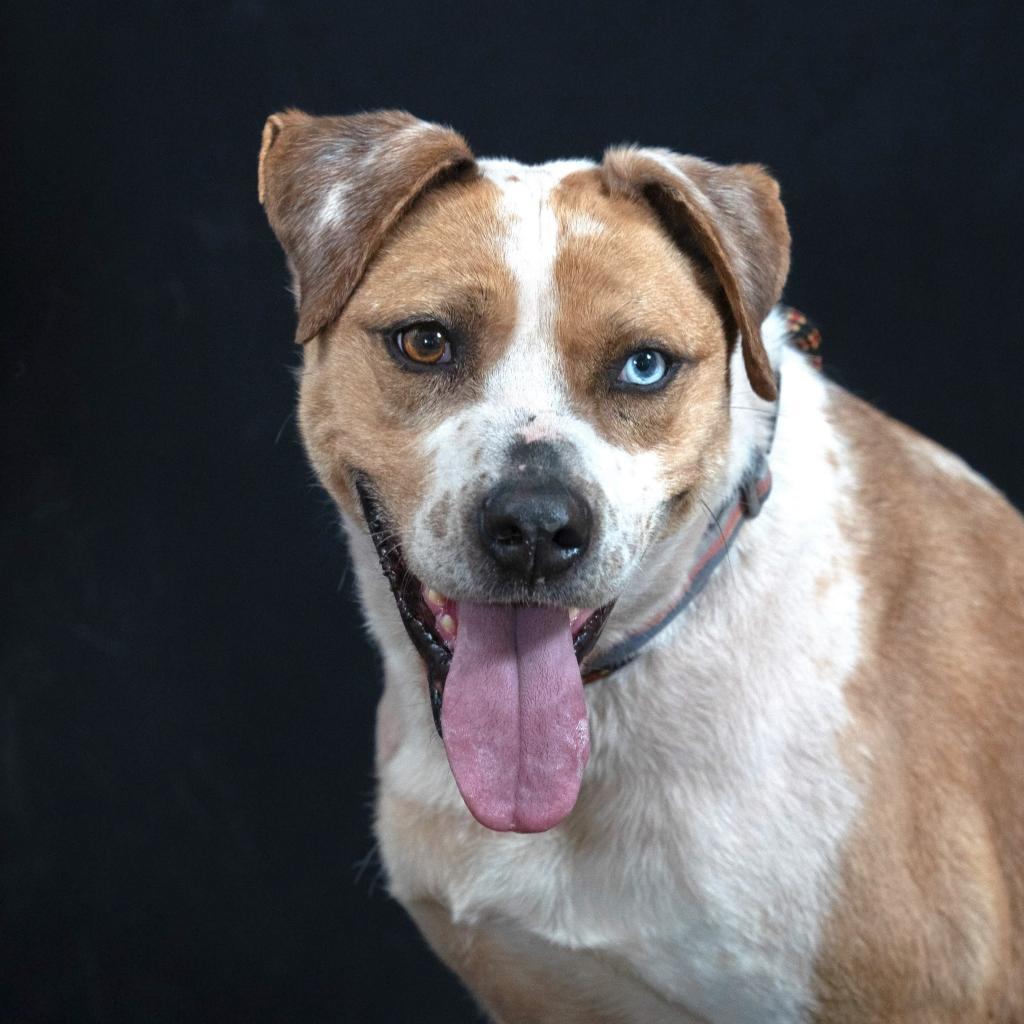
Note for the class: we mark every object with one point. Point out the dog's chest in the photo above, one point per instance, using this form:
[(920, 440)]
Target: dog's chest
[(707, 894)]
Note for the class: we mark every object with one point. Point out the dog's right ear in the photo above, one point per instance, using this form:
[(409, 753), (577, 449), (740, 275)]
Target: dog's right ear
[(334, 186), (729, 216)]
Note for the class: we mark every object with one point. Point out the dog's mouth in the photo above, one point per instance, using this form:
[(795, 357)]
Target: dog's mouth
[(505, 689)]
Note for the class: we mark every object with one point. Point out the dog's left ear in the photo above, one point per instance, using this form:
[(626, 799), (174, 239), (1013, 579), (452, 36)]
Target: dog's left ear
[(333, 187), (731, 218)]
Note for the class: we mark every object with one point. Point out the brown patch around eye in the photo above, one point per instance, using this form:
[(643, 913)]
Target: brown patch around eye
[(624, 287), (440, 267)]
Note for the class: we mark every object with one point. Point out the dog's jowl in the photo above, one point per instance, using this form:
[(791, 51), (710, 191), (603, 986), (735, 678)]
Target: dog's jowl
[(703, 696)]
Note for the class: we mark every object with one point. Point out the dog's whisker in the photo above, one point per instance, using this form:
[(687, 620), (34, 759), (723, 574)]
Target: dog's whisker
[(372, 857), (344, 579), (284, 423), (713, 519), (364, 862)]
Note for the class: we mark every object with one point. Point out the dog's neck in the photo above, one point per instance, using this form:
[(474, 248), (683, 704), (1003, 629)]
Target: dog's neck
[(665, 566), (751, 676)]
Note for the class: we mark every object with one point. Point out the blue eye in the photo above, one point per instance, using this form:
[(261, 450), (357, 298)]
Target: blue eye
[(644, 368)]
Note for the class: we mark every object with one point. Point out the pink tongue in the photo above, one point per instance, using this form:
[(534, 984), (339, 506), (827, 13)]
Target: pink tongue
[(514, 718)]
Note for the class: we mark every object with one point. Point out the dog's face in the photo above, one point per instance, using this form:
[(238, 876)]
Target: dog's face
[(519, 380)]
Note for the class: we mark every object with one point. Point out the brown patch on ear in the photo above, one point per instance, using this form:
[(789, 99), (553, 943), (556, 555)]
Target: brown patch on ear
[(732, 217), (333, 187)]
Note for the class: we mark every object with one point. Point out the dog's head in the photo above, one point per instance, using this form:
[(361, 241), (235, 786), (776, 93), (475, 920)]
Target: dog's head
[(517, 378)]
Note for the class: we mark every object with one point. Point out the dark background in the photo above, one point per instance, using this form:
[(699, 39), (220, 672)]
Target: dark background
[(187, 697)]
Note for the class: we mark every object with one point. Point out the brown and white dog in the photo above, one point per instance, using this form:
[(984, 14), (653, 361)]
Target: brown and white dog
[(531, 390)]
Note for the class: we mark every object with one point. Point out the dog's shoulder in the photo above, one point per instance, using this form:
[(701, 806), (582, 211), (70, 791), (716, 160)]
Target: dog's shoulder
[(938, 740), (921, 507)]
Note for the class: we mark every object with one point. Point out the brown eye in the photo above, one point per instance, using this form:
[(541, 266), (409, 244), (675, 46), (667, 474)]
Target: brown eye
[(425, 344)]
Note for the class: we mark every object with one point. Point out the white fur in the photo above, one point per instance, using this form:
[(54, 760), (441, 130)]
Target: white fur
[(530, 376), (331, 215)]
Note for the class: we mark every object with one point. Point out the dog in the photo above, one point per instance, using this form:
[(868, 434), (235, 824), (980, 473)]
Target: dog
[(703, 696)]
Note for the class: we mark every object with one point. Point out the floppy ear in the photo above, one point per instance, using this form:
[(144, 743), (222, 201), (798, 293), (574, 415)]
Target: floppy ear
[(334, 186), (731, 218)]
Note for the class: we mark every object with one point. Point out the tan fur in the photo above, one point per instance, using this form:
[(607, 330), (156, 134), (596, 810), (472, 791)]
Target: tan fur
[(931, 910)]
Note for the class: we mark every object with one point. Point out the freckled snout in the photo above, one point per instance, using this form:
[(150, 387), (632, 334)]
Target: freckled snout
[(534, 526)]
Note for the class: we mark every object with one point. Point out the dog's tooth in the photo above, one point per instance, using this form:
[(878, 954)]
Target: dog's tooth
[(447, 623), (434, 597), (573, 612)]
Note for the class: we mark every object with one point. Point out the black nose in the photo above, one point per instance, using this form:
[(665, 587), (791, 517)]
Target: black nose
[(535, 527)]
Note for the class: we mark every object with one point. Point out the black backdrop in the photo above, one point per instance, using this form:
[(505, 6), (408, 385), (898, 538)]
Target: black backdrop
[(187, 696)]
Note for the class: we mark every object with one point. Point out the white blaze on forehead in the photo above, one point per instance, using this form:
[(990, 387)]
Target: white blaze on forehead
[(530, 375)]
